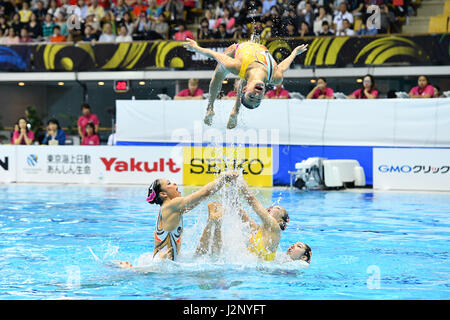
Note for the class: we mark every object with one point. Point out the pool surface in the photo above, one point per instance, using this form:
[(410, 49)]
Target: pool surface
[(57, 242)]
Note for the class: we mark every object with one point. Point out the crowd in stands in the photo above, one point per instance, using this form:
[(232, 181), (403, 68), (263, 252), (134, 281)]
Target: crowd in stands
[(23, 21)]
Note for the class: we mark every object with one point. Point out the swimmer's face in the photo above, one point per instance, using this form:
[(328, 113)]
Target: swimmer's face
[(169, 189), (297, 251), (254, 92)]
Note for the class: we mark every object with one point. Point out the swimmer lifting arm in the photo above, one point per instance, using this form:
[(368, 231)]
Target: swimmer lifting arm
[(233, 65), (286, 63)]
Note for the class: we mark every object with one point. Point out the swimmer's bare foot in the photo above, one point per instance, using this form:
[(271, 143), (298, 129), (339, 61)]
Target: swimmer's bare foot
[(232, 121), (123, 264), (208, 117)]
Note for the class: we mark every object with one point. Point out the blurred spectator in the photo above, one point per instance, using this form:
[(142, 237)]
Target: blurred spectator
[(107, 34), (109, 18), (40, 11), (253, 9), (304, 30), (220, 7), (11, 37), (346, 29), (24, 135), (15, 129), (437, 92), (209, 15), (25, 13), (203, 31), (128, 22), (308, 14), (237, 6), (54, 135), (175, 9), (89, 34), (120, 9), (60, 20), (34, 27), (86, 117), (16, 24), (221, 33), (389, 23), (47, 26), (267, 5), (141, 26), (3, 24), (161, 27), (320, 91), (325, 29), (24, 37), (112, 136), (423, 90), (323, 16), (53, 7), (291, 30), (1, 36), (83, 9), (226, 19), (182, 33), (277, 93), (90, 137), (239, 33), (123, 35), (96, 9), (363, 30), (153, 10), (57, 37), (367, 90), (139, 7), (8, 7), (340, 16), (233, 93), (193, 92)]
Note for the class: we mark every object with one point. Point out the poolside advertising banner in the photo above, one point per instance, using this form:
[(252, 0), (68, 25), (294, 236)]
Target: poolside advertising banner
[(7, 164), (411, 169), (202, 164), (103, 164)]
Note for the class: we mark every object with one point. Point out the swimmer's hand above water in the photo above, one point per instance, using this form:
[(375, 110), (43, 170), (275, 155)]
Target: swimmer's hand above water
[(230, 175), (301, 49), (191, 45)]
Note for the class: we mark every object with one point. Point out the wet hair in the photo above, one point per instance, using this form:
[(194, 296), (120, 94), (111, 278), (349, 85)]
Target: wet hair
[(54, 121), (308, 253), (153, 193)]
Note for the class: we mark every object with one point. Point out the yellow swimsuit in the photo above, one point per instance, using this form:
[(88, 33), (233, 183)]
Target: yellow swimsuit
[(257, 247), (254, 52)]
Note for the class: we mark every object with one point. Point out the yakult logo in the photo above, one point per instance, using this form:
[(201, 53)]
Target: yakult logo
[(132, 165)]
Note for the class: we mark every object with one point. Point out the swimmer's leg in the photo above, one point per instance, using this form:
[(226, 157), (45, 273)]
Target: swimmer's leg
[(216, 85), (232, 120), (214, 220)]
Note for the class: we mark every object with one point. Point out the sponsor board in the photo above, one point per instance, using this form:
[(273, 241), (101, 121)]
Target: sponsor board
[(411, 169), (133, 165), (202, 165), (7, 164)]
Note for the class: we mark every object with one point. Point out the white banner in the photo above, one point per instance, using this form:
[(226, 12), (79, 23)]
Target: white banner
[(411, 169), (100, 164), (378, 122), (7, 164)]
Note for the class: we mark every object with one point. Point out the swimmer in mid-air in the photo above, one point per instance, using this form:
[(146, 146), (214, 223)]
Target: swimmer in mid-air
[(211, 241), (253, 64)]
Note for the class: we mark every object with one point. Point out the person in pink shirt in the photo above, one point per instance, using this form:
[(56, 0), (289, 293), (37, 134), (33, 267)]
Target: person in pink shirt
[(278, 93), (227, 19), (193, 92), (367, 91), (182, 34), (23, 135), (90, 138), (321, 91), (86, 117), (423, 89)]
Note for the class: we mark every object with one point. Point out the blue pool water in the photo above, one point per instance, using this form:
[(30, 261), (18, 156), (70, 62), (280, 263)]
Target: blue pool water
[(366, 245)]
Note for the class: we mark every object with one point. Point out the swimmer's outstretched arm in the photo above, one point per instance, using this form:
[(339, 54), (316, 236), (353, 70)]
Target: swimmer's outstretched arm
[(286, 63), (233, 65), (258, 207), (185, 204)]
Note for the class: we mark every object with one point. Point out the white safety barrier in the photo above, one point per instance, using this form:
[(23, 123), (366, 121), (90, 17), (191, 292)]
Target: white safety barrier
[(378, 122)]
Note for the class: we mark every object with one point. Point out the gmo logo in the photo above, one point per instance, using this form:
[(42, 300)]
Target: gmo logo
[(32, 160), (384, 168)]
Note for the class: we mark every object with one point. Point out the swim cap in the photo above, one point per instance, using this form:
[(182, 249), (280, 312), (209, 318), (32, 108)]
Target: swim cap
[(248, 106)]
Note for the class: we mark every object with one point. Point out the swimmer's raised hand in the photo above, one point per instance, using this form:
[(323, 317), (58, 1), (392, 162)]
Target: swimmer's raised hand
[(191, 45), (301, 49), (230, 175)]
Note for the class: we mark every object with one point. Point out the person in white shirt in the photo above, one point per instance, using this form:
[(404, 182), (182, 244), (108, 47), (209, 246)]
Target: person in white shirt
[(123, 35), (112, 136), (346, 29), (340, 16), (107, 35)]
